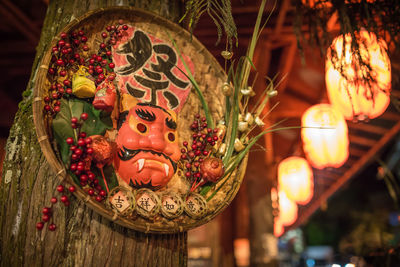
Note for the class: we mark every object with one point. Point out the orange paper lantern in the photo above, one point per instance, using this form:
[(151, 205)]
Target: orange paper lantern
[(278, 227), (328, 145), (355, 97), (295, 178), (287, 209)]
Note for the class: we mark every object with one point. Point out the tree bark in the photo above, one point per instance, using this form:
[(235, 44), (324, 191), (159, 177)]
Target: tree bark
[(82, 237)]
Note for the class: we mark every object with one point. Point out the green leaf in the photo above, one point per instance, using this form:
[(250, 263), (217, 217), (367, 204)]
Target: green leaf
[(109, 174), (96, 124)]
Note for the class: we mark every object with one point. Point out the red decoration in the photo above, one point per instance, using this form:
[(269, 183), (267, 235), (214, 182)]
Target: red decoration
[(147, 156)]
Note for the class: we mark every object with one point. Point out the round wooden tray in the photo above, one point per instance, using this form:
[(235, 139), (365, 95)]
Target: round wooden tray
[(208, 74)]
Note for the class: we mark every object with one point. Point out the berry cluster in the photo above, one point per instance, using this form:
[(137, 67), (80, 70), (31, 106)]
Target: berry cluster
[(65, 57), (101, 65), (81, 159), (47, 212), (203, 139)]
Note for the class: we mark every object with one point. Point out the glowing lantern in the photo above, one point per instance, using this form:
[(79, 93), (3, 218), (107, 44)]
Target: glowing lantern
[(287, 209), (278, 227), (295, 178), (353, 95), (328, 145)]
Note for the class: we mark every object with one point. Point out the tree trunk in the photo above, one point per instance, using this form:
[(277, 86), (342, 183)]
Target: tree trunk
[(82, 237)]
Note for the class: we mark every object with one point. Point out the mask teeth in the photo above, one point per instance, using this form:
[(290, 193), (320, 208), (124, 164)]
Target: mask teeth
[(166, 168), (140, 163)]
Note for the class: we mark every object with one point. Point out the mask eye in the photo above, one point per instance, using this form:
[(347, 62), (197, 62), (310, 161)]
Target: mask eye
[(171, 137), (141, 127)]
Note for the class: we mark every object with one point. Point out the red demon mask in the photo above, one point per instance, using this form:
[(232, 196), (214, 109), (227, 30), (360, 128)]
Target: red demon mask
[(148, 146)]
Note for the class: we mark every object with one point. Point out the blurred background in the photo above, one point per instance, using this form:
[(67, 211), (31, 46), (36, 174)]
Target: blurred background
[(350, 216)]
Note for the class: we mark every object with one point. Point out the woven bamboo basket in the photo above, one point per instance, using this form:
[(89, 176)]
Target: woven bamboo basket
[(210, 77)]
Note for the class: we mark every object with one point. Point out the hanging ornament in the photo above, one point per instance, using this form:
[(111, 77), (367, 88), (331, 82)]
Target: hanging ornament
[(295, 178), (287, 209), (359, 91), (325, 136)]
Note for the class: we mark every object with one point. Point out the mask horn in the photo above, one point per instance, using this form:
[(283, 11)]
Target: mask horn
[(127, 102)]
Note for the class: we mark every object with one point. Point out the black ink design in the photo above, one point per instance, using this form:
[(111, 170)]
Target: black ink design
[(134, 91), (138, 50)]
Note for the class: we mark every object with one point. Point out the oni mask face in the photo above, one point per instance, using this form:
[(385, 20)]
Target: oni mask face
[(148, 148)]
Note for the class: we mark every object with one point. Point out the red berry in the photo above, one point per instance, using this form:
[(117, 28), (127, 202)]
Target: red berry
[(185, 143), (78, 151), (53, 200), (196, 164), (80, 168), (197, 152), (63, 73), (102, 45), (188, 165), (73, 167), (46, 99), (101, 76), (96, 181), (84, 178), (81, 142), (39, 225), (60, 62), (52, 227), (81, 33), (91, 176), (68, 91), (89, 150), (60, 188), (183, 156), (72, 189), (61, 43), (51, 71), (108, 53), (111, 77), (205, 153), (188, 174), (125, 27), (67, 83), (183, 150), (215, 138), (84, 116), (63, 198), (77, 42), (46, 210), (82, 135), (45, 218), (108, 28), (69, 140), (74, 156), (99, 198), (103, 193), (85, 47), (111, 65), (47, 108), (88, 140), (99, 70), (91, 192), (57, 109)]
